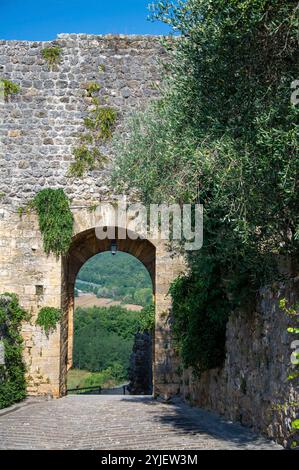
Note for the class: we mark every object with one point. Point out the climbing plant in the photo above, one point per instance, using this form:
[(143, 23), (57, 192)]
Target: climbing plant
[(9, 88), (47, 319), (99, 124), (55, 220), (12, 373), (52, 55)]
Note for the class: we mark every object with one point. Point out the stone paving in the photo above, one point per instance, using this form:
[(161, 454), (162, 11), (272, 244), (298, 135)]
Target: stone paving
[(120, 422)]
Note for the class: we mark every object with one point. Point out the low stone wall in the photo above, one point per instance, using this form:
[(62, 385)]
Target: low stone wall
[(252, 387)]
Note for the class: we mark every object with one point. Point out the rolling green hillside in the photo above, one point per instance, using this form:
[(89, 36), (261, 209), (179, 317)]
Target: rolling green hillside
[(120, 277)]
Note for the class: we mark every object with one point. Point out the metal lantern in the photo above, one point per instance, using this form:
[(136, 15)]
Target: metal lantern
[(113, 248)]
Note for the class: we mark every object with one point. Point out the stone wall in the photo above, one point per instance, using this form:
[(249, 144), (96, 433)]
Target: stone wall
[(140, 370), (40, 126), (36, 279), (252, 387), (41, 280)]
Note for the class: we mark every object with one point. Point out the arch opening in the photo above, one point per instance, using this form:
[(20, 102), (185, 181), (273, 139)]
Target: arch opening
[(85, 248)]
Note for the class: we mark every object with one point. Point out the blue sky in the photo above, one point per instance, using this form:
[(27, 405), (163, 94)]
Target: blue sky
[(44, 19)]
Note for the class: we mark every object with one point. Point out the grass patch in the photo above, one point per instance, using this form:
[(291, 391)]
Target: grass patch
[(84, 378)]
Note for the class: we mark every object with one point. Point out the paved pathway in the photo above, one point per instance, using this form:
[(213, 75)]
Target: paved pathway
[(119, 422)]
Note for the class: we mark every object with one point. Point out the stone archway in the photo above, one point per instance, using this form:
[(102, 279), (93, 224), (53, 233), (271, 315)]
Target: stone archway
[(85, 245), (163, 266), (47, 357)]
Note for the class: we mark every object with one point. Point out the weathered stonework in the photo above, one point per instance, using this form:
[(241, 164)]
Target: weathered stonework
[(140, 369), (41, 125), (39, 129), (252, 387)]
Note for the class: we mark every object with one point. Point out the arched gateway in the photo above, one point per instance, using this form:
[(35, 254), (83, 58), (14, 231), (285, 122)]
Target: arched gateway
[(163, 266), (40, 128), (41, 280)]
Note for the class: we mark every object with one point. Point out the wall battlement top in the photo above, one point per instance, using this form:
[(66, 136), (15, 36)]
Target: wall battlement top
[(62, 37)]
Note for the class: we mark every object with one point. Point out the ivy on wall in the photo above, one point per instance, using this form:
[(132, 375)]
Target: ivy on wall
[(55, 220), (99, 124), (48, 318), (12, 373)]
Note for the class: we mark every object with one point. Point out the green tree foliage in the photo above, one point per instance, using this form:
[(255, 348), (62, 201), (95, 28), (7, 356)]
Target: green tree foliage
[(224, 134), (201, 313), (147, 319), (12, 373), (103, 338), (121, 277)]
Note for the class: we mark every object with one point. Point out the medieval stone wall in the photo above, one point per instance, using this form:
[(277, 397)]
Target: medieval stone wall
[(38, 130), (252, 387), (140, 369), (40, 126), (36, 279)]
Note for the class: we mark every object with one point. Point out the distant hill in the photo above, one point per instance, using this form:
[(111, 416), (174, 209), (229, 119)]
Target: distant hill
[(120, 277)]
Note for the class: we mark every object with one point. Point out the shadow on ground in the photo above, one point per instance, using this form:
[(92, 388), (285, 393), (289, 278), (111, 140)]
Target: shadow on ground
[(191, 420)]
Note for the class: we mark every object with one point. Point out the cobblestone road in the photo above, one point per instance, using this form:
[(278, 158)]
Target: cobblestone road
[(118, 422)]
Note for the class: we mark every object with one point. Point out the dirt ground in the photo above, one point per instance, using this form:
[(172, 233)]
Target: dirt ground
[(91, 300)]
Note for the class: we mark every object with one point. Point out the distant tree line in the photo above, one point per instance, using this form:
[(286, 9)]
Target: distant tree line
[(103, 338), (121, 277)]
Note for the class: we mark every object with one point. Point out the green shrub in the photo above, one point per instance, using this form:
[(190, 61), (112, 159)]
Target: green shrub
[(102, 122), (200, 314), (52, 55), (55, 220), (102, 68), (47, 319), (12, 374), (9, 88)]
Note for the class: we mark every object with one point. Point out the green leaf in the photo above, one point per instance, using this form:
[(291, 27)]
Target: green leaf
[(295, 424)]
